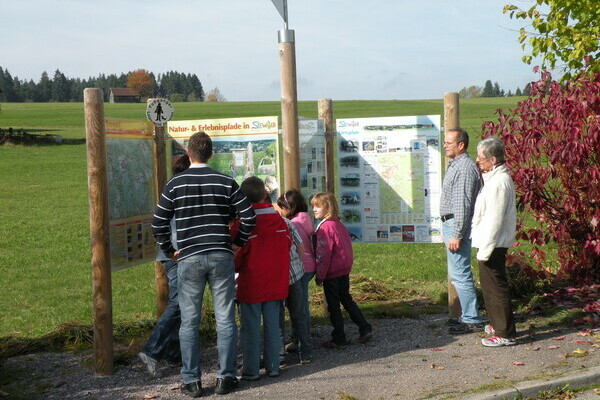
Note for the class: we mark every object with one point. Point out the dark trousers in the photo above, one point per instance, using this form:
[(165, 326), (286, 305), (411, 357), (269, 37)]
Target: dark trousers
[(337, 291), (496, 293)]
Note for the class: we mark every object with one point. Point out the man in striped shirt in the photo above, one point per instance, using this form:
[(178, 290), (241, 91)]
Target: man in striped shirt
[(459, 191), (201, 201)]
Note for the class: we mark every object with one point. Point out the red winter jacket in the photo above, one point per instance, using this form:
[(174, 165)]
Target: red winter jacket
[(263, 263)]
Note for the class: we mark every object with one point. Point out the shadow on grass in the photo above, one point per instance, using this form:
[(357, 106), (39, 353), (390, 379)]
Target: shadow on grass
[(12, 136)]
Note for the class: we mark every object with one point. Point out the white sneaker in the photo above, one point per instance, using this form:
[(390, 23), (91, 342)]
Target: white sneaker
[(149, 362), (489, 330), (497, 341)]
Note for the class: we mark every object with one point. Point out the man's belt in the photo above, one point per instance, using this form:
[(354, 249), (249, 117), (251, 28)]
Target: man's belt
[(446, 217)]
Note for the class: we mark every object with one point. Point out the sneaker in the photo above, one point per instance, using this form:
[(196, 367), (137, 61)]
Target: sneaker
[(273, 374), (226, 385), (291, 347), (149, 362), (466, 328), (193, 389), (489, 330), (452, 321), (365, 337), (250, 377), (497, 341), (305, 361), (330, 344)]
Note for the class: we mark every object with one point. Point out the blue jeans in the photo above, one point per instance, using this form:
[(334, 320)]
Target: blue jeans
[(300, 330), (164, 340), (250, 334), (459, 271), (216, 269), (306, 278)]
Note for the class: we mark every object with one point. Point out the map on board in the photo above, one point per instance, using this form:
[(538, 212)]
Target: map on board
[(131, 197), (389, 178)]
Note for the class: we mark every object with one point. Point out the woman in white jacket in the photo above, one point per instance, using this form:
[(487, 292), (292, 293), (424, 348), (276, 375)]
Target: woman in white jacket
[(493, 232)]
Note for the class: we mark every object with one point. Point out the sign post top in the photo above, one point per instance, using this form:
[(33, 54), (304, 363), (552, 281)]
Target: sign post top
[(159, 111), (281, 6)]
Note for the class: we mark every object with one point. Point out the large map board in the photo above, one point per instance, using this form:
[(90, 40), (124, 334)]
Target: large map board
[(389, 178), (131, 193)]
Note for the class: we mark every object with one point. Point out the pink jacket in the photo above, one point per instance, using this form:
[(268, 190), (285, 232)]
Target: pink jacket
[(333, 250), (304, 225)]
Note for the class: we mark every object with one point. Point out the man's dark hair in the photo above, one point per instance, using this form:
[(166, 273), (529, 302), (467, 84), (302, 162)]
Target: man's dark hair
[(254, 189), (200, 147), (461, 136)]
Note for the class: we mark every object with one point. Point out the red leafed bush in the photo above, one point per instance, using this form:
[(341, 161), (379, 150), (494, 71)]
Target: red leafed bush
[(552, 144)]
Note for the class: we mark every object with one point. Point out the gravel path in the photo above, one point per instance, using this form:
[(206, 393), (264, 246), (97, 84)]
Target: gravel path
[(407, 359)]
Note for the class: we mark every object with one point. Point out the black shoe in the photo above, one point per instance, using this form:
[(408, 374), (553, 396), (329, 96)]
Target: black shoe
[(452, 321), (193, 389), (364, 338), (466, 328), (226, 385)]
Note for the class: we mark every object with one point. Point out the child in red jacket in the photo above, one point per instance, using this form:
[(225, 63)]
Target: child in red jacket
[(263, 268)]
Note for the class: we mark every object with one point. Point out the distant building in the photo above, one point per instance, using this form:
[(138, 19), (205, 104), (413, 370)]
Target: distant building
[(124, 95)]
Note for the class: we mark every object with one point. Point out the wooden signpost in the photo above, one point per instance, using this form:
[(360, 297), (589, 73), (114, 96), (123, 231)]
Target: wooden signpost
[(451, 120), (99, 231)]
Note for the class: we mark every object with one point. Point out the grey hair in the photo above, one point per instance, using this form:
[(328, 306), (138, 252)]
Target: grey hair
[(492, 147)]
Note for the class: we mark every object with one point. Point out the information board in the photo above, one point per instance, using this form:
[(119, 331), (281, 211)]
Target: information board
[(242, 147), (311, 136), (389, 178), (131, 193)]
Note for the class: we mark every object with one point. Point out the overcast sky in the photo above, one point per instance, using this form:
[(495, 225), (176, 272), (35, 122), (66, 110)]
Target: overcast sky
[(345, 49)]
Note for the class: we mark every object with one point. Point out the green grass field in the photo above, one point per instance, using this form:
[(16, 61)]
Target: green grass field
[(45, 267)]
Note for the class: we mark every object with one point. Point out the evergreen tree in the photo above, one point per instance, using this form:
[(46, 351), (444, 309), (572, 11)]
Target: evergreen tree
[(17, 90), (488, 89), (60, 87), (496, 90), (527, 90), (44, 92), (518, 92)]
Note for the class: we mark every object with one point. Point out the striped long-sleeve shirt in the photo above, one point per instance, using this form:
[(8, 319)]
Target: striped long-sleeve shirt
[(459, 191), (201, 200)]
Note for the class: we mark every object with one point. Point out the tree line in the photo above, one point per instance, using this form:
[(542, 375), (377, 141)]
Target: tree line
[(491, 90), (176, 86)]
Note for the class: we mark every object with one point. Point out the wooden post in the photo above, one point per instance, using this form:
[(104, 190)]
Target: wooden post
[(326, 114), (451, 120), (99, 231), (289, 110), (160, 174)]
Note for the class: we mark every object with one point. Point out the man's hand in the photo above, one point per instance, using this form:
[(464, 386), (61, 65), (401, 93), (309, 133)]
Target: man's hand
[(174, 256), (453, 244), (319, 282), (235, 248)]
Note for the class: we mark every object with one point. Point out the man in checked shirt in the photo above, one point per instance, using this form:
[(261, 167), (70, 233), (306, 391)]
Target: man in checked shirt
[(459, 191)]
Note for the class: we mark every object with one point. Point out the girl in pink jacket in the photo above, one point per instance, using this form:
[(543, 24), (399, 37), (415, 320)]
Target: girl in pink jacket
[(333, 250)]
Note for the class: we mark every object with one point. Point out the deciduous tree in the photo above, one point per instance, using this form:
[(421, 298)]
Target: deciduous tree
[(215, 95), (553, 149), (470, 92), (566, 31), (142, 82)]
